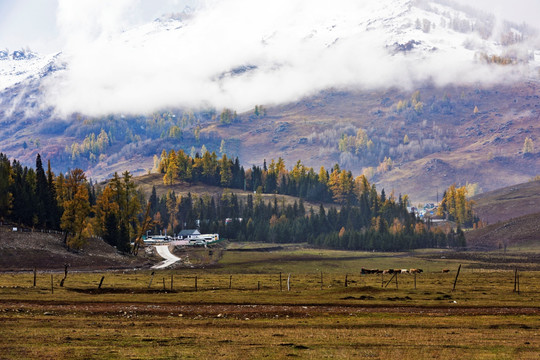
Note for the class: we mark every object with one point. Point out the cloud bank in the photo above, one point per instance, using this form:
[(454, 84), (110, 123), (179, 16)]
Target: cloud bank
[(238, 53)]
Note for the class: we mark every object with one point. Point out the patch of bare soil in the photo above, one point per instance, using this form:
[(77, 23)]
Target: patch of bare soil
[(20, 251), (242, 311)]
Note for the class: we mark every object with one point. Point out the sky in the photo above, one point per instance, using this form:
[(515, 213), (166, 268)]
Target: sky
[(33, 23), (514, 10)]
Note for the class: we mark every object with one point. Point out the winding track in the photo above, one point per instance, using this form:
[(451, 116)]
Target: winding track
[(164, 252)]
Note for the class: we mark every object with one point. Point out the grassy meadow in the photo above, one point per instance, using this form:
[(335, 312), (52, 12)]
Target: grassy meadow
[(238, 308)]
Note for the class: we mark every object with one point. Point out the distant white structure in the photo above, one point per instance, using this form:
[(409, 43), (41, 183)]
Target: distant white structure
[(188, 234), (184, 237)]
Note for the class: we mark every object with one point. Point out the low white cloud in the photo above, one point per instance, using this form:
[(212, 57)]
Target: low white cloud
[(238, 53)]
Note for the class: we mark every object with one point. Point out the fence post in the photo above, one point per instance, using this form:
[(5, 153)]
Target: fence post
[(172, 276), (65, 275), (415, 281), (151, 278), (35, 274), (455, 280), (52, 284), (346, 278), (289, 283), (389, 281), (101, 282), (258, 286), (195, 282), (230, 282)]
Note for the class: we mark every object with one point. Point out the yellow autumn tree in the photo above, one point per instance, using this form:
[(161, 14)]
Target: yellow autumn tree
[(76, 209), (171, 172), (341, 185), (105, 205), (456, 207), (528, 146)]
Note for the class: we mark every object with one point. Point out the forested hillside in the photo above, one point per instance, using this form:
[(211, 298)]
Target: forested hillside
[(115, 211)]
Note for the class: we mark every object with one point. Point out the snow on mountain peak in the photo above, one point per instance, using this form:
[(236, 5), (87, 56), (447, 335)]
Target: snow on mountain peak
[(22, 65), (237, 53)]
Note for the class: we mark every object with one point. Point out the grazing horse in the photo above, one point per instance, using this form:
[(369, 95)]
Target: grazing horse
[(415, 271), (364, 271), (404, 271), (445, 270)]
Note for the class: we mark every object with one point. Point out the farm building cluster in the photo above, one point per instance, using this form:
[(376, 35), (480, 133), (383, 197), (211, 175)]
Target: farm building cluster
[(184, 237)]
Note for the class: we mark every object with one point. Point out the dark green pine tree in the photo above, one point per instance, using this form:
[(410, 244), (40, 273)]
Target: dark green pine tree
[(111, 235), (23, 210), (42, 196), (5, 184), (53, 210), (123, 239), (154, 202)]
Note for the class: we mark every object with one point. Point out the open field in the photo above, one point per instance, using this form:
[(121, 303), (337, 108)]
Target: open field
[(236, 308)]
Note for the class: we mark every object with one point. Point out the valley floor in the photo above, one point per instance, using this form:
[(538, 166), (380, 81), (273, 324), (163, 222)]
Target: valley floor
[(276, 307), (134, 330)]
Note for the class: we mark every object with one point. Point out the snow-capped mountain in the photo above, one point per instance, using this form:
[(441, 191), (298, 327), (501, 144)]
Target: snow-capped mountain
[(225, 57), (477, 76), (23, 66)]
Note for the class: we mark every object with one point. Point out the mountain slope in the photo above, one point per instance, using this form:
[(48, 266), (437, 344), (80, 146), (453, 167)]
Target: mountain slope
[(509, 202), (512, 215), (448, 142), (519, 231), (338, 85)]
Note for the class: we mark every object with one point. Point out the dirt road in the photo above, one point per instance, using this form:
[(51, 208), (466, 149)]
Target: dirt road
[(164, 252)]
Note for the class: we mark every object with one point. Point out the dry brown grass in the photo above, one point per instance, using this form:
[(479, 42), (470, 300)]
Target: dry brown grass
[(509, 202), (379, 336), (482, 319)]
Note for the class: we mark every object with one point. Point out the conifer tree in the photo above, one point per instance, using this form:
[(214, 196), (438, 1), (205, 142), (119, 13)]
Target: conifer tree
[(42, 193), (112, 233), (6, 181), (53, 210)]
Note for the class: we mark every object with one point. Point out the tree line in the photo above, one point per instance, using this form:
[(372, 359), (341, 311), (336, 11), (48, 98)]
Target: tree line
[(71, 203), (328, 186), (115, 210), (380, 223)]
